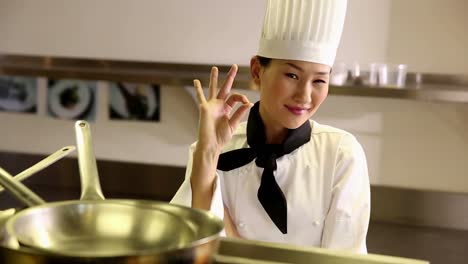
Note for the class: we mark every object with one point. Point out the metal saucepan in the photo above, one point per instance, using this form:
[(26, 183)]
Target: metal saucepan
[(5, 215), (119, 230), (44, 163)]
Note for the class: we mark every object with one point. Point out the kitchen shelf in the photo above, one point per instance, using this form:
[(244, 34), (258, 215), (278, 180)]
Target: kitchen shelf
[(426, 92), (420, 87)]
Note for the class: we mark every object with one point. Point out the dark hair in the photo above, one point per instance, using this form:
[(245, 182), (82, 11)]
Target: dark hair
[(264, 62)]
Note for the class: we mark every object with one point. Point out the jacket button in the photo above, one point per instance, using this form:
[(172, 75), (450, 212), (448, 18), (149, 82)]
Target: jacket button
[(316, 223), (241, 224)]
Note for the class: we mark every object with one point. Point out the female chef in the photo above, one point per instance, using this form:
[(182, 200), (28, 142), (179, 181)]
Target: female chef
[(280, 176)]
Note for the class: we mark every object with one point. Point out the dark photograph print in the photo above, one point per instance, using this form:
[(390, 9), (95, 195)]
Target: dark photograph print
[(72, 99), (18, 94), (134, 101)]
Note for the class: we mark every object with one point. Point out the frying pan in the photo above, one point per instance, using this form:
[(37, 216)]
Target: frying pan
[(122, 230)]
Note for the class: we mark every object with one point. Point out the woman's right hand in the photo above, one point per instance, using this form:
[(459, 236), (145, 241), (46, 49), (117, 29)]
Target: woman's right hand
[(217, 123), (216, 127)]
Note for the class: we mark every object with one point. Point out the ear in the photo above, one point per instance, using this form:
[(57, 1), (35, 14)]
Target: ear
[(255, 69)]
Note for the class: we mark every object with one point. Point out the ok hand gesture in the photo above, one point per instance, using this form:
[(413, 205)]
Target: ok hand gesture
[(217, 123)]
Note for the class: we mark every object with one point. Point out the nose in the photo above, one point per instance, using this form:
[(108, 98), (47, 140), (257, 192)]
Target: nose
[(303, 94)]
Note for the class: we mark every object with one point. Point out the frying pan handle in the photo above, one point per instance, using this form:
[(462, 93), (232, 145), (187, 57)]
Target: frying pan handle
[(51, 159), (19, 190), (90, 186)]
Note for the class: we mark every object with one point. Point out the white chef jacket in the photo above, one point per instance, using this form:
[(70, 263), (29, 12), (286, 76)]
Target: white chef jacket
[(326, 186)]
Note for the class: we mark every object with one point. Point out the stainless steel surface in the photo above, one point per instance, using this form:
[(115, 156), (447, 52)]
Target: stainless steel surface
[(100, 228), (384, 237), (19, 190), (244, 251), (128, 230), (423, 87), (231, 251), (62, 181), (198, 222), (5, 215), (113, 70), (437, 245), (44, 163), (426, 92), (396, 228), (415, 207), (238, 260), (197, 255), (22, 193), (419, 207), (90, 185)]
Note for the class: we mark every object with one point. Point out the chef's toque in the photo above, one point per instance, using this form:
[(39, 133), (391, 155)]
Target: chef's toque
[(306, 30)]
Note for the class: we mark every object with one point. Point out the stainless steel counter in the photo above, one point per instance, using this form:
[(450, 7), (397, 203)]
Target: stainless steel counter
[(231, 251), (236, 251), (421, 87)]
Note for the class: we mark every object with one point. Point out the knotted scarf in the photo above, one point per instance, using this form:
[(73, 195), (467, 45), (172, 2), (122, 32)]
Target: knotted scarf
[(269, 193)]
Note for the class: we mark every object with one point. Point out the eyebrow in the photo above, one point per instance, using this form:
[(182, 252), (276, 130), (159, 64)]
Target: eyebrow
[(302, 70)]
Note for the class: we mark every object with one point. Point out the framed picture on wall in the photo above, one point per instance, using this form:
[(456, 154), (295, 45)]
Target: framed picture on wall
[(18, 94), (72, 99), (134, 101)]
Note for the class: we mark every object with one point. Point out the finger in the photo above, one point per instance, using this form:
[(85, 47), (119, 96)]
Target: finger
[(238, 115), (199, 89), (213, 83), (236, 97), (226, 88)]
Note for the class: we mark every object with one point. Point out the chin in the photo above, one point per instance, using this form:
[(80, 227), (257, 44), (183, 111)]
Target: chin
[(294, 123)]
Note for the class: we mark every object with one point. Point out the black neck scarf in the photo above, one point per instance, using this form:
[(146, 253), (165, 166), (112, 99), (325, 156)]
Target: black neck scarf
[(269, 193)]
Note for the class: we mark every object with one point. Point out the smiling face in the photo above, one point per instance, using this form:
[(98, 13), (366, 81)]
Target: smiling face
[(291, 91)]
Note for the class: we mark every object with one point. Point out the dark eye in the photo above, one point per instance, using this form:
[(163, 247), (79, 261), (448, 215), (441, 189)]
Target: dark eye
[(319, 81), (292, 75)]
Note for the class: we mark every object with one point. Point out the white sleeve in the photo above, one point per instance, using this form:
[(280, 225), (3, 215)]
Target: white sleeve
[(348, 217), (184, 195)]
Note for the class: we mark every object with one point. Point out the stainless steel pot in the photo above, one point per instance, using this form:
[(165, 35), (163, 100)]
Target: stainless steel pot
[(93, 229), (26, 199), (42, 164)]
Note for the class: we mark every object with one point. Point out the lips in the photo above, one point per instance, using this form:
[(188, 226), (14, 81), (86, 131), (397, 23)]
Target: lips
[(297, 110)]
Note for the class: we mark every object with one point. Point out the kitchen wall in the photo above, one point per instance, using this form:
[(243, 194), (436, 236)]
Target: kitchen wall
[(409, 144), (429, 35), (208, 31), (165, 142), (176, 30)]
